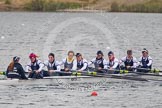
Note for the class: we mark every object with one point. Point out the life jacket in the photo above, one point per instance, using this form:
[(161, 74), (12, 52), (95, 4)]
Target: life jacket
[(128, 62), (99, 63), (68, 65), (51, 66)]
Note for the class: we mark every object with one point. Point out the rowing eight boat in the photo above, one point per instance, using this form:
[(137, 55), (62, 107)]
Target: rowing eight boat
[(78, 76)]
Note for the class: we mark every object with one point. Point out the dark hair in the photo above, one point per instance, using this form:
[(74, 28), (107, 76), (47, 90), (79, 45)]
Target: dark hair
[(110, 52), (129, 51), (99, 52), (71, 52), (51, 54)]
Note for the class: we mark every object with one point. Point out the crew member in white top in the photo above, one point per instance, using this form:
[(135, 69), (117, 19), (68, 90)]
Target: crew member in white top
[(35, 67), (113, 63), (68, 61), (129, 61), (52, 65), (80, 64), (145, 60), (99, 62)]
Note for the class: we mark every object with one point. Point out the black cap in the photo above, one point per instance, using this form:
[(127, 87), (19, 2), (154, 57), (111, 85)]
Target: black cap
[(110, 52), (78, 54), (99, 52), (145, 50), (16, 58)]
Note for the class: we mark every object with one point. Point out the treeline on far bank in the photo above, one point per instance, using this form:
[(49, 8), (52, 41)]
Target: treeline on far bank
[(152, 6)]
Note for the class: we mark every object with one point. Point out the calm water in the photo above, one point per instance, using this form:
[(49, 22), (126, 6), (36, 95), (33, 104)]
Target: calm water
[(23, 33)]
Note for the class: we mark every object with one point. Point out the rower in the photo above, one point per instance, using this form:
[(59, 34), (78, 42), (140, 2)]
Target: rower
[(15, 69), (35, 67), (52, 65), (80, 64), (129, 61), (113, 62), (145, 61), (68, 62), (99, 62)]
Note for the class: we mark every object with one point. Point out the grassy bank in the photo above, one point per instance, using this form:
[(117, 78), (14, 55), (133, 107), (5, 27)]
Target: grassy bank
[(44, 5), (152, 6), (40, 5)]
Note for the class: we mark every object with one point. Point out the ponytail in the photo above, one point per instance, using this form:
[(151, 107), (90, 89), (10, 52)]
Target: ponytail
[(11, 66)]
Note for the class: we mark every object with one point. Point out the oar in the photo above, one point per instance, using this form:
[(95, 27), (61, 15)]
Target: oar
[(155, 72), (149, 70), (105, 75)]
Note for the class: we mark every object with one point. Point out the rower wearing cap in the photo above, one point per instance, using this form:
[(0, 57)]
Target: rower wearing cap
[(99, 62), (80, 63), (15, 69), (52, 65), (35, 67), (129, 61), (68, 61), (113, 62), (145, 61)]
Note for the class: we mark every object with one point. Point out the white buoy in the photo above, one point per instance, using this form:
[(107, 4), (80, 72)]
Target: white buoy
[(22, 24), (107, 48), (2, 37)]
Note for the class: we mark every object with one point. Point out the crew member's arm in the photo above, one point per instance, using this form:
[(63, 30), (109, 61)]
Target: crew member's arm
[(139, 62), (105, 63), (28, 68), (135, 63), (91, 62), (150, 61), (74, 65), (46, 64), (62, 62), (85, 65), (22, 72), (116, 63), (122, 60), (41, 65), (58, 66)]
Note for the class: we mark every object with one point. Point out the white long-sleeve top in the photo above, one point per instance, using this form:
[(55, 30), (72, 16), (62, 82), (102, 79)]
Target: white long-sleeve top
[(38, 62), (50, 65), (94, 60), (149, 58), (135, 62), (113, 64), (64, 60), (85, 64)]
